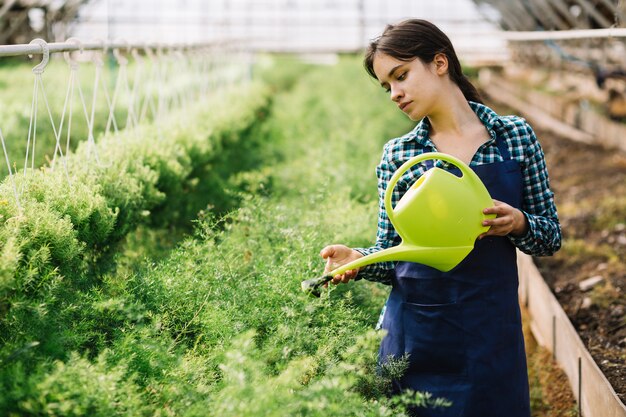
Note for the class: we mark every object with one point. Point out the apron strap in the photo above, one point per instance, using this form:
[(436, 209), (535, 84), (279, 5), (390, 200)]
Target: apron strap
[(503, 147)]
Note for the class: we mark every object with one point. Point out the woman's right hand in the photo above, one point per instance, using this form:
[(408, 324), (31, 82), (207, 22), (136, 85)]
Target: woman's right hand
[(337, 255)]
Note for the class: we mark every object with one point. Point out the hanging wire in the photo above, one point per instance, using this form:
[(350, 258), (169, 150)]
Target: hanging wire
[(134, 102), (89, 116), (57, 134), (6, 157), (123, 77), (32, 126), (152, 78), (68, 98), (38, 71), (160, 77), (98, 62), (175, 76), (119, 81)]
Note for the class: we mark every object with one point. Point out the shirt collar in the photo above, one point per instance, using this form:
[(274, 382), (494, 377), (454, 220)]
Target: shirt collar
[(488, 117)]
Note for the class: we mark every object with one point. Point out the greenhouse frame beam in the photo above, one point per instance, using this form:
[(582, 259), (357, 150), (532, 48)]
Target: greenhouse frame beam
[(36, 48), (564, 34)]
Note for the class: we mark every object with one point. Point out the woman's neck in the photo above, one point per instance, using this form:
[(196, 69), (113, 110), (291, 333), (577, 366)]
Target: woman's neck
[(452, 115)]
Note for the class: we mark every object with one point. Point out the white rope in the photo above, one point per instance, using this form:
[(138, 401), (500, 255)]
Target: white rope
[(111, 119), (54, 130), (99, 63), (131, 119), (120, 82), (6, 157), (69, 121), (161, 93), (148, 101), (68, 95), (91, 143), (123, 86), (176, 77), (38, 71), (136, 99), (31, 131)]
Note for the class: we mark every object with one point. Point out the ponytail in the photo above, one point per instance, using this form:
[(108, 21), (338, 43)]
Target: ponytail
[(467, 88)]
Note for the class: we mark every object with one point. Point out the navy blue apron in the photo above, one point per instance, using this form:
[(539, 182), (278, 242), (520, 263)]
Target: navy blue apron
[(462, 329)]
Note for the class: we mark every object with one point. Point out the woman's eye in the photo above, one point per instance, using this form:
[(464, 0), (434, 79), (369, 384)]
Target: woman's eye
[(402, 76)]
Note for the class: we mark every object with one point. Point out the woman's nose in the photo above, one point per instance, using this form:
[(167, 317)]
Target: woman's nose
[(396, 94)]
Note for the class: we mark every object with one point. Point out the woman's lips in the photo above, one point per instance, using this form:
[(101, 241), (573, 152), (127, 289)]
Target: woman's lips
[(403, 105)]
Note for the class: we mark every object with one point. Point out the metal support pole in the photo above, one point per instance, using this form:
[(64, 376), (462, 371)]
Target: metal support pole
[(31, 49)]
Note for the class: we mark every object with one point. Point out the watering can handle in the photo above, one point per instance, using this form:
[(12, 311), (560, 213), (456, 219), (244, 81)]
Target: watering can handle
[(413, 161)]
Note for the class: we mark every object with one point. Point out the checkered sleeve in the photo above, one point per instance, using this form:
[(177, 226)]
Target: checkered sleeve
[(544, 233), (386, 236)]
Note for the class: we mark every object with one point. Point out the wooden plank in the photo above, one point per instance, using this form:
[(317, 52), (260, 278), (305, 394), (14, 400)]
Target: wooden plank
[(591, 11), (558, 22), (6, 7), (553, 330), (563, 9), (580, 125), (537, 117)]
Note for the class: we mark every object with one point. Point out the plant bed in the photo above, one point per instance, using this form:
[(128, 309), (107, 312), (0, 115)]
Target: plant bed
[(590, 191)]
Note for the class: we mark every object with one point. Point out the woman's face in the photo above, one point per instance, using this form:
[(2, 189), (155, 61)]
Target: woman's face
[(412, 85)]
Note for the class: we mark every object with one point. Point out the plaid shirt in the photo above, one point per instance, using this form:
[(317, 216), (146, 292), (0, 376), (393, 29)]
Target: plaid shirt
[(544, 232)]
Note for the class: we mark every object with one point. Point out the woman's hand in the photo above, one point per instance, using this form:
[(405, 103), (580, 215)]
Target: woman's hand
[(337, 255), (508, 220)]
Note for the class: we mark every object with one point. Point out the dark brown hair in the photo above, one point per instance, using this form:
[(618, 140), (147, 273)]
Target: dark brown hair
[(417, 38)]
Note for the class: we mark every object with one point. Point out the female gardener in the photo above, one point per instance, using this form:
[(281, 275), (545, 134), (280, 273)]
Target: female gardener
[(460, 330)]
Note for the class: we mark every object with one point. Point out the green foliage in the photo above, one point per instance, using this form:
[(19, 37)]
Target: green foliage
[(63, 240), (293, 391), (220, 327), (78, 387)]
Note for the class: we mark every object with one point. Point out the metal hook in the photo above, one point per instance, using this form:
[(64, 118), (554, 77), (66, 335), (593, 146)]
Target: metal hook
[(39, 68), (103, 45), (96, 56), (149, 52), (67, 55), (118, 57), (178, 54), (122, 60), (136, 55)]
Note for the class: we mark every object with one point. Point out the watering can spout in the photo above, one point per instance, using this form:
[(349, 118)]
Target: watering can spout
[(441, 258), (438, 219)]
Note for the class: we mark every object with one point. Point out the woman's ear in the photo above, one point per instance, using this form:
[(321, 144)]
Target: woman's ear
[(441, 63)]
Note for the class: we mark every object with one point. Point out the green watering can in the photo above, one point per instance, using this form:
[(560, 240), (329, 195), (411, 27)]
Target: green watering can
[(438, 219)]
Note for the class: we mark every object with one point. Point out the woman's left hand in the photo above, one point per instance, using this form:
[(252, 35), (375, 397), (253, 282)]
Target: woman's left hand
[(508, 220)]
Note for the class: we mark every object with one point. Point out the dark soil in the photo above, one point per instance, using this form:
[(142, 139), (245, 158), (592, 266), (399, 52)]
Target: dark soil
[(589, 183)]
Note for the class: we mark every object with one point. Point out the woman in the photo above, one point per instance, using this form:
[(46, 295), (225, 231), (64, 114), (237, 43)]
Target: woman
[(461, 329)]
